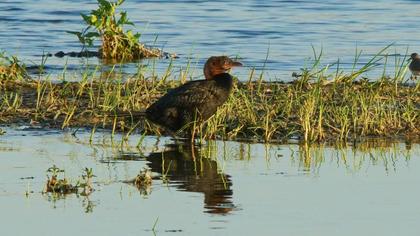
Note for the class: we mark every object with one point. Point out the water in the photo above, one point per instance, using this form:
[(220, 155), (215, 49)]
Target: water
[(196, 30), (232, 188)]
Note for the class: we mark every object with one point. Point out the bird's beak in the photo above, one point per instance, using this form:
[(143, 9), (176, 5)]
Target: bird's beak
[(229, 64), (232, 63), (236, 64)]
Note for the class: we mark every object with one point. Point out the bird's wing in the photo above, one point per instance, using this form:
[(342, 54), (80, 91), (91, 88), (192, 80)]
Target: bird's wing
[(415, 65), (193, 93)]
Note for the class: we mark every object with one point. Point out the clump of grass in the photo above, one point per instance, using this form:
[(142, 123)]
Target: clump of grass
[(117, 44), (11, 68), (319, 105), (143, 178), (143, 181), (62, 186)]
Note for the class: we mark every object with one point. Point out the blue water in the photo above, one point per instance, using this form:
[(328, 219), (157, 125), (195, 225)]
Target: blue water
[(195, 30)]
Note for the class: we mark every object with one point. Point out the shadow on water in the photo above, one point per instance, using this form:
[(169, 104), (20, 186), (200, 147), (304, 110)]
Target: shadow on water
[(192, 169)]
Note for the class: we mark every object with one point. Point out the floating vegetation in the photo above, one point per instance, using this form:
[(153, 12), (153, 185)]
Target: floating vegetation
[(56, 185), (117, 44), (62, 186), (143, 181), (143, 178)]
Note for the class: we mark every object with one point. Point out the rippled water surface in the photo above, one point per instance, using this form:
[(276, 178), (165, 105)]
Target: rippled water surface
[(198, 29), (222, 188)]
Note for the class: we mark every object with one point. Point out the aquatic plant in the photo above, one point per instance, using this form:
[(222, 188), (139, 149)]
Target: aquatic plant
[(58, 185), (143, 181), (144, 177), (86, 182), (117, 44)]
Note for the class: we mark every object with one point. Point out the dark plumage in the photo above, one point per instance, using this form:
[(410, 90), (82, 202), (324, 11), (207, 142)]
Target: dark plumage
[(196, 100), (415, 65)]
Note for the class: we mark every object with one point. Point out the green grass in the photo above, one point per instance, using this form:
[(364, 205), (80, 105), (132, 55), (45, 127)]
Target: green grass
[(11, 68), (321, 104)]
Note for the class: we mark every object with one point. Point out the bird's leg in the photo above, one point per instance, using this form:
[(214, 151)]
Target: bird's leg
[(194, 126), (192, 140), (156, 146), (193, 152)]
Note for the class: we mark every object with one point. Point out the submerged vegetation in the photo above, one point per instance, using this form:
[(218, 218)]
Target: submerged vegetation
[(117, 44), (318, 105)]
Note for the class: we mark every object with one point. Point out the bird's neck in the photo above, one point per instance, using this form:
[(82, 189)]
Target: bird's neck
[(224, 79), (211, 72)]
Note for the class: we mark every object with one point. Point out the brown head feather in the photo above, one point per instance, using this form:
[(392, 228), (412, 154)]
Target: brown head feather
[(217, 65)]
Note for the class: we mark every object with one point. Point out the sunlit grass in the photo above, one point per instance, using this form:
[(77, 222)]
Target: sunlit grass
[(324, 103)]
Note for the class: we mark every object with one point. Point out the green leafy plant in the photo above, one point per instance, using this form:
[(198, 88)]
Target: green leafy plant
[(56, 185), (86, 182), (63, 186), (107, 25)]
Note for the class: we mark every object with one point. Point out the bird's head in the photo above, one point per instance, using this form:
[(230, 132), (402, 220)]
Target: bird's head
[(217, 65), (414, 56)]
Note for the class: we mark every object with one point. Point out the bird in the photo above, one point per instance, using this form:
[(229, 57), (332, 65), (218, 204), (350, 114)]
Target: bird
[(195, 100), (414, 65)]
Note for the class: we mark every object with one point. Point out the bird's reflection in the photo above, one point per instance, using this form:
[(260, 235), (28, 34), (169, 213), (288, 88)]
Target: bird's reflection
[(191, 169)]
